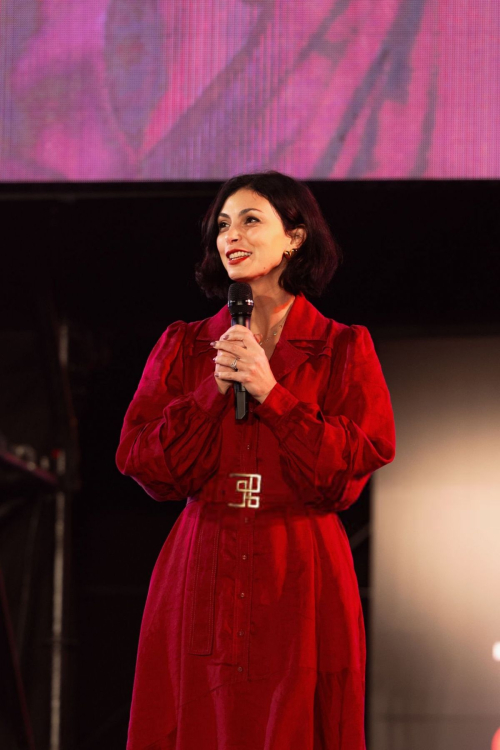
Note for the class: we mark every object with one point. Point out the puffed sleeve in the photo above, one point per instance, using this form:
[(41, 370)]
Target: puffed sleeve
[(170, 441), (334, 450)]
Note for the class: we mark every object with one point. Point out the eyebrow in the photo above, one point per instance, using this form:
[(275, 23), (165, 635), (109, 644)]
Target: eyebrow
[(243, 211)]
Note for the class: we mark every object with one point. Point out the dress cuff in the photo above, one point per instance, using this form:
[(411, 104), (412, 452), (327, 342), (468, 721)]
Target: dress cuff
[(277, 406), (209, 399)]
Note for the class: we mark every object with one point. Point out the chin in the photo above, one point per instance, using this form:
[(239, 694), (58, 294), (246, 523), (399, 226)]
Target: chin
[(237, 274)]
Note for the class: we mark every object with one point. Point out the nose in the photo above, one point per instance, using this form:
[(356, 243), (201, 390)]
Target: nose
[(232, 235)]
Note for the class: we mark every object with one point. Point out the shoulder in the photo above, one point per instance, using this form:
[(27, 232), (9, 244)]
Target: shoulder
[(349, 343), (354, 334), (311, 323), (188, 336), (208, 329), (353, 343)]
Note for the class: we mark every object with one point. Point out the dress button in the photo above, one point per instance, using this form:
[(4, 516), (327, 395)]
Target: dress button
[(242, 594), (246, 519), (240, 669), (241, 632), (248, 447), (243, 557)]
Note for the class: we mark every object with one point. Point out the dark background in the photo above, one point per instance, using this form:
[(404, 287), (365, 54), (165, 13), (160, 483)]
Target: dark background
[(115, 262)]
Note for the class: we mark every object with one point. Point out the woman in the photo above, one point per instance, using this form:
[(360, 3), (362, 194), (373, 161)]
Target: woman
[(252, 636)]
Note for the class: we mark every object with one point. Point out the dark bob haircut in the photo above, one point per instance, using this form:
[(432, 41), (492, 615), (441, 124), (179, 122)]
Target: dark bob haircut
[(309, 270)]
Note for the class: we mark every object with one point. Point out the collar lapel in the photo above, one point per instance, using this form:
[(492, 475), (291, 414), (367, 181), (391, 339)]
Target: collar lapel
[(285, 358), (304, 323)]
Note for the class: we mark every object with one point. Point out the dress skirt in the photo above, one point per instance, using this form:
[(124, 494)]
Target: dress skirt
[(252, 636)]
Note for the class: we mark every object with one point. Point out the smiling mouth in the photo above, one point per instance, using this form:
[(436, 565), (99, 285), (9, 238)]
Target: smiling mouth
[(238, 254)]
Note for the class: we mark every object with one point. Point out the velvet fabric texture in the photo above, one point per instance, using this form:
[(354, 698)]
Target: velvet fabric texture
[(252, 636)]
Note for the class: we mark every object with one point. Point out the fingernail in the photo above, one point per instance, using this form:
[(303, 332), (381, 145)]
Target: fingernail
[(212, 343), (225, 337), (214, 359)]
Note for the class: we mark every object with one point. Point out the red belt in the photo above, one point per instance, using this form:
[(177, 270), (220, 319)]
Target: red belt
[(246, 491)]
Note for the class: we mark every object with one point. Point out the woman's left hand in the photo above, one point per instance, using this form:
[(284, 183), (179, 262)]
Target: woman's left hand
[(254, 371)]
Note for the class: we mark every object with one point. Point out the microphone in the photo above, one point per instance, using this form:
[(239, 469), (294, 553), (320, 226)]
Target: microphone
[(240, 303)]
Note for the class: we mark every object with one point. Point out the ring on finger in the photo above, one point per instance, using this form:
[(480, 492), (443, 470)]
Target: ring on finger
[(233, 364)]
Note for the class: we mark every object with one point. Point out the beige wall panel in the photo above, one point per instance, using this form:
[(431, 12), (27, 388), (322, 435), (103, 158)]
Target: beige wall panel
[(436, 550)]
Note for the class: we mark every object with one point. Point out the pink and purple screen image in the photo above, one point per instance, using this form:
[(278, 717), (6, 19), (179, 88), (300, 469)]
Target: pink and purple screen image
[(97, 90)]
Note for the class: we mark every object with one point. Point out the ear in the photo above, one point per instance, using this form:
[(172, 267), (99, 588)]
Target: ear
[(298, 236)]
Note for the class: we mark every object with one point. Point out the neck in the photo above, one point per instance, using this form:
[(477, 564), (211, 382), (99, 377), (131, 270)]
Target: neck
[(270, 305)]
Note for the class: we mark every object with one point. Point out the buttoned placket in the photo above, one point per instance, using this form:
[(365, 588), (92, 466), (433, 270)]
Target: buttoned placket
[(244, 556), (243, 595)]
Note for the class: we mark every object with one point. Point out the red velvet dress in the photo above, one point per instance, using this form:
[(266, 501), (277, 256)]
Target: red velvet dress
[(252, 636)]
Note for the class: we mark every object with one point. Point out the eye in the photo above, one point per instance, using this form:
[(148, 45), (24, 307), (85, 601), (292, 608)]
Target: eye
[(222, 225), (251, 218)]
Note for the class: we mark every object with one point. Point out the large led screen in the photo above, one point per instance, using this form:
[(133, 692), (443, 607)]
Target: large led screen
[(203, 89)]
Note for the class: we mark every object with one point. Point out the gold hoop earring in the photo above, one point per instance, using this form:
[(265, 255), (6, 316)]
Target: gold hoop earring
[(288, 253)]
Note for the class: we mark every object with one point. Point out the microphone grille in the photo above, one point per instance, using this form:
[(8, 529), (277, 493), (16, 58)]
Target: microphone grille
[(239, 292)]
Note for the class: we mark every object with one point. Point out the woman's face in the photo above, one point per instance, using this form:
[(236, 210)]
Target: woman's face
[(252, 239)]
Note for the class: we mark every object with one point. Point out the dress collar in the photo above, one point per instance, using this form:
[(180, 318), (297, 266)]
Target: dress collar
[(303, 323)]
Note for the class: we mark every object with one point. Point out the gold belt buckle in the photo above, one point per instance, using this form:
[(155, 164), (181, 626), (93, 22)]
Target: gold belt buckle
[(249, 486)]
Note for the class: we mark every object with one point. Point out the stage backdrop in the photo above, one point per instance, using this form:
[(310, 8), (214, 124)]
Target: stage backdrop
[(202, 89)]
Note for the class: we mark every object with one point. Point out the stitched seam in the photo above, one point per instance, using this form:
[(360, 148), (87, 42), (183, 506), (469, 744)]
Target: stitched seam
[(251, 540), (198, 547), (212, 591), (235, 607)]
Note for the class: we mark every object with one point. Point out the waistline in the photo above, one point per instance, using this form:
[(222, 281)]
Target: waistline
[(244, 491)]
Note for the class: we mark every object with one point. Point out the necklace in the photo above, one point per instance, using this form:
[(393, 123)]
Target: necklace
[(280, 325)]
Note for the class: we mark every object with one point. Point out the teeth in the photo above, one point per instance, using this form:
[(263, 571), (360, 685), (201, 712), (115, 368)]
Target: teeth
[(239, 254)]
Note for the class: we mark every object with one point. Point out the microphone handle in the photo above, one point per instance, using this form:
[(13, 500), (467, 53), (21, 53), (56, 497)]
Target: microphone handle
[(240, 392)]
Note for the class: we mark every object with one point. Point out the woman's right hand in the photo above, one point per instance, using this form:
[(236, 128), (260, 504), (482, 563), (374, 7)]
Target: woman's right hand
[(224, 385)]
